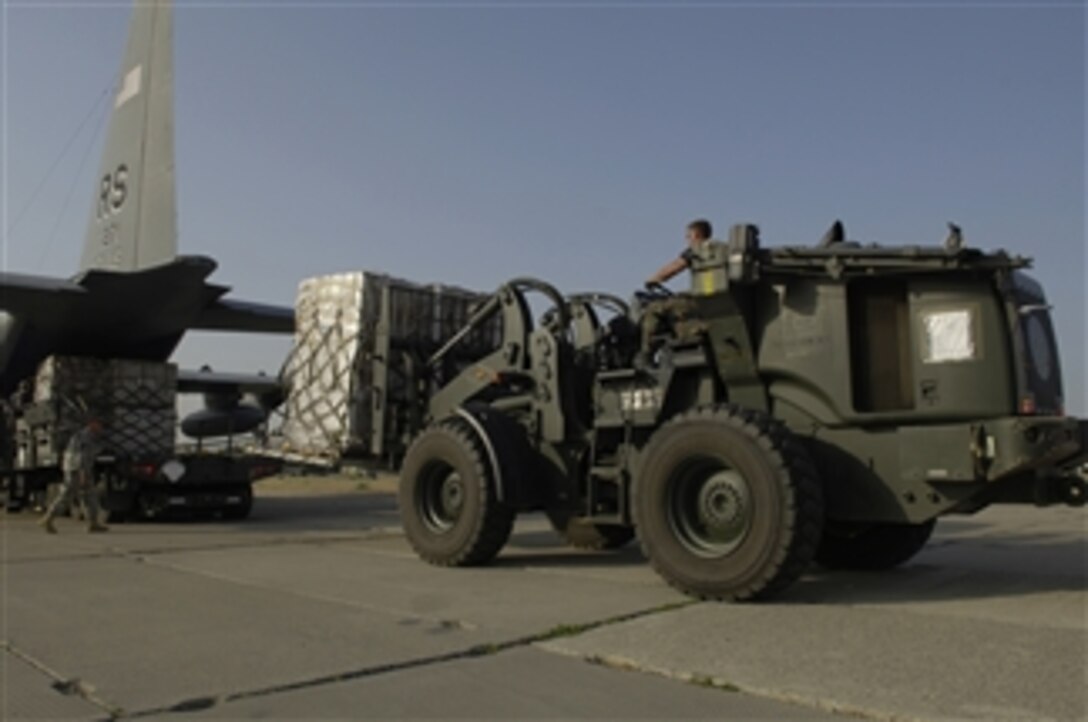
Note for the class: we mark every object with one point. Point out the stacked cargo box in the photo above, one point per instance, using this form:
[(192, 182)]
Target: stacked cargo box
[(135, 400), (329, 408)]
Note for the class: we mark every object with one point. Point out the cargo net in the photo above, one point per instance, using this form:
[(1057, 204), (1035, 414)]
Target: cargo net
[(318, 374), (134, 399), (329, 372), (137, 432)]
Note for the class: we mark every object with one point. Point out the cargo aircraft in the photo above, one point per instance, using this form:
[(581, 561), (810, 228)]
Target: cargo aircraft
[(134, 297)]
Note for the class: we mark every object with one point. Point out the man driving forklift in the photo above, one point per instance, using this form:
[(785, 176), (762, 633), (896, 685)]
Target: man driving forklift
[(697, 233)]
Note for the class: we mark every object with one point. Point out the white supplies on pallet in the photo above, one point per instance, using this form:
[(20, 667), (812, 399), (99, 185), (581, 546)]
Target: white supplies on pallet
[(134, 399), (329, 372), (71, 379)]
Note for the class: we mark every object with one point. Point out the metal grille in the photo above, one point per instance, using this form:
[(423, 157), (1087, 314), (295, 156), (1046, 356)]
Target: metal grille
[(135, 399)]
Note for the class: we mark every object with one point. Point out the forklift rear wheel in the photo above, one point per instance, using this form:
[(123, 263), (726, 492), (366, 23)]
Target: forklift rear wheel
[(727, 504), (448, 501)]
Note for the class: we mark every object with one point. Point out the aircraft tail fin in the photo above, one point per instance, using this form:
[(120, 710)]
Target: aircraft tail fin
[(133, 222)]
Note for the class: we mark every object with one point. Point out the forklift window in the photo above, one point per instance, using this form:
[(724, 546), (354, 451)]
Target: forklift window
[(881, 365), (1039, 347)]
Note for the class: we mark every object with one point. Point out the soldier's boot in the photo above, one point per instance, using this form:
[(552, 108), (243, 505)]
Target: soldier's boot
[(46, 522), (90, 511)]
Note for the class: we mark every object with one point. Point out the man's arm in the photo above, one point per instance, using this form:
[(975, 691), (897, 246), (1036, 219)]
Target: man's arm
[(669, 270)]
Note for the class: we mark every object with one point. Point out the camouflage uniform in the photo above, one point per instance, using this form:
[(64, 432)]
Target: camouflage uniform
[(78, 466)]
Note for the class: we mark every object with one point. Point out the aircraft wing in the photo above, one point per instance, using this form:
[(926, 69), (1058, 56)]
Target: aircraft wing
[(21, 293), (228, 315), (206, 381)]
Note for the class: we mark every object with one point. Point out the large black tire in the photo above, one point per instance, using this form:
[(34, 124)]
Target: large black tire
[(728, 504), (117, 507), (13, 494), (448, 503), (872, 548), (237, 512), (151, 505), (11, 504), (581, 534)]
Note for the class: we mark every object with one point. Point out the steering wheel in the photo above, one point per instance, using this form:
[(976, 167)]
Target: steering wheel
[(654, 291)]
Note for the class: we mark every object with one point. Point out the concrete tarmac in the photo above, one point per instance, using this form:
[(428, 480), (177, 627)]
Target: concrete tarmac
[(316, 607)]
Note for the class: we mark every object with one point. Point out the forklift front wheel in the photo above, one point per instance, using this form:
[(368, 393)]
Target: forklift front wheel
[(448, 502)]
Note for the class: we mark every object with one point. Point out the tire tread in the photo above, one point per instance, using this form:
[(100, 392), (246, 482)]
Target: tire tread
[(804, 501), (492, 528)]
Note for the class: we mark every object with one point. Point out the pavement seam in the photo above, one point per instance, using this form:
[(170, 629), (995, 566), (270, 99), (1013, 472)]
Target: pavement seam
[(625, 664), (376, 533), (115, 552), (475, 651), (61, 684), (399, 614)]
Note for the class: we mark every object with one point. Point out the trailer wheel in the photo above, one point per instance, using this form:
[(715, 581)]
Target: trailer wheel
[(14, 493), (151, 505), (872, 548), (119, 513), (237, 512), (582, 534), (12, 504), (727, 504), (448, 503)]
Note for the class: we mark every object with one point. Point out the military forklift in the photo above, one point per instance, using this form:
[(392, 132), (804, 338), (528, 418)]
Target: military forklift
[(799, 404)]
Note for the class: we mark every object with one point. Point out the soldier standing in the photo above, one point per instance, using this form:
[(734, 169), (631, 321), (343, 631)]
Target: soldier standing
[(78, 466)]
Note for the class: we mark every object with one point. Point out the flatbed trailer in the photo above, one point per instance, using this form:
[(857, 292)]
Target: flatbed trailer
[(142, 471)]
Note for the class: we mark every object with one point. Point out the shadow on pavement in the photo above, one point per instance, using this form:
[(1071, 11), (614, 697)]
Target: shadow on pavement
[(561, 556), (975, 569), (325, 513)]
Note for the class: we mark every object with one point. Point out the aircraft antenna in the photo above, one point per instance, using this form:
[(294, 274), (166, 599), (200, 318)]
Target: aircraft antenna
[(76, 177), (64, 151)]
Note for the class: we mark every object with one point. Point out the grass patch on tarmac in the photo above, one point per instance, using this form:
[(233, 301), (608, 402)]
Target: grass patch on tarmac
[(696, 680), (702, 680), (564, 630), (560, 631)]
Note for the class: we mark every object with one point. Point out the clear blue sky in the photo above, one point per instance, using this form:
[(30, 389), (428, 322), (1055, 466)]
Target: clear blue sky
[(467, 143)]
